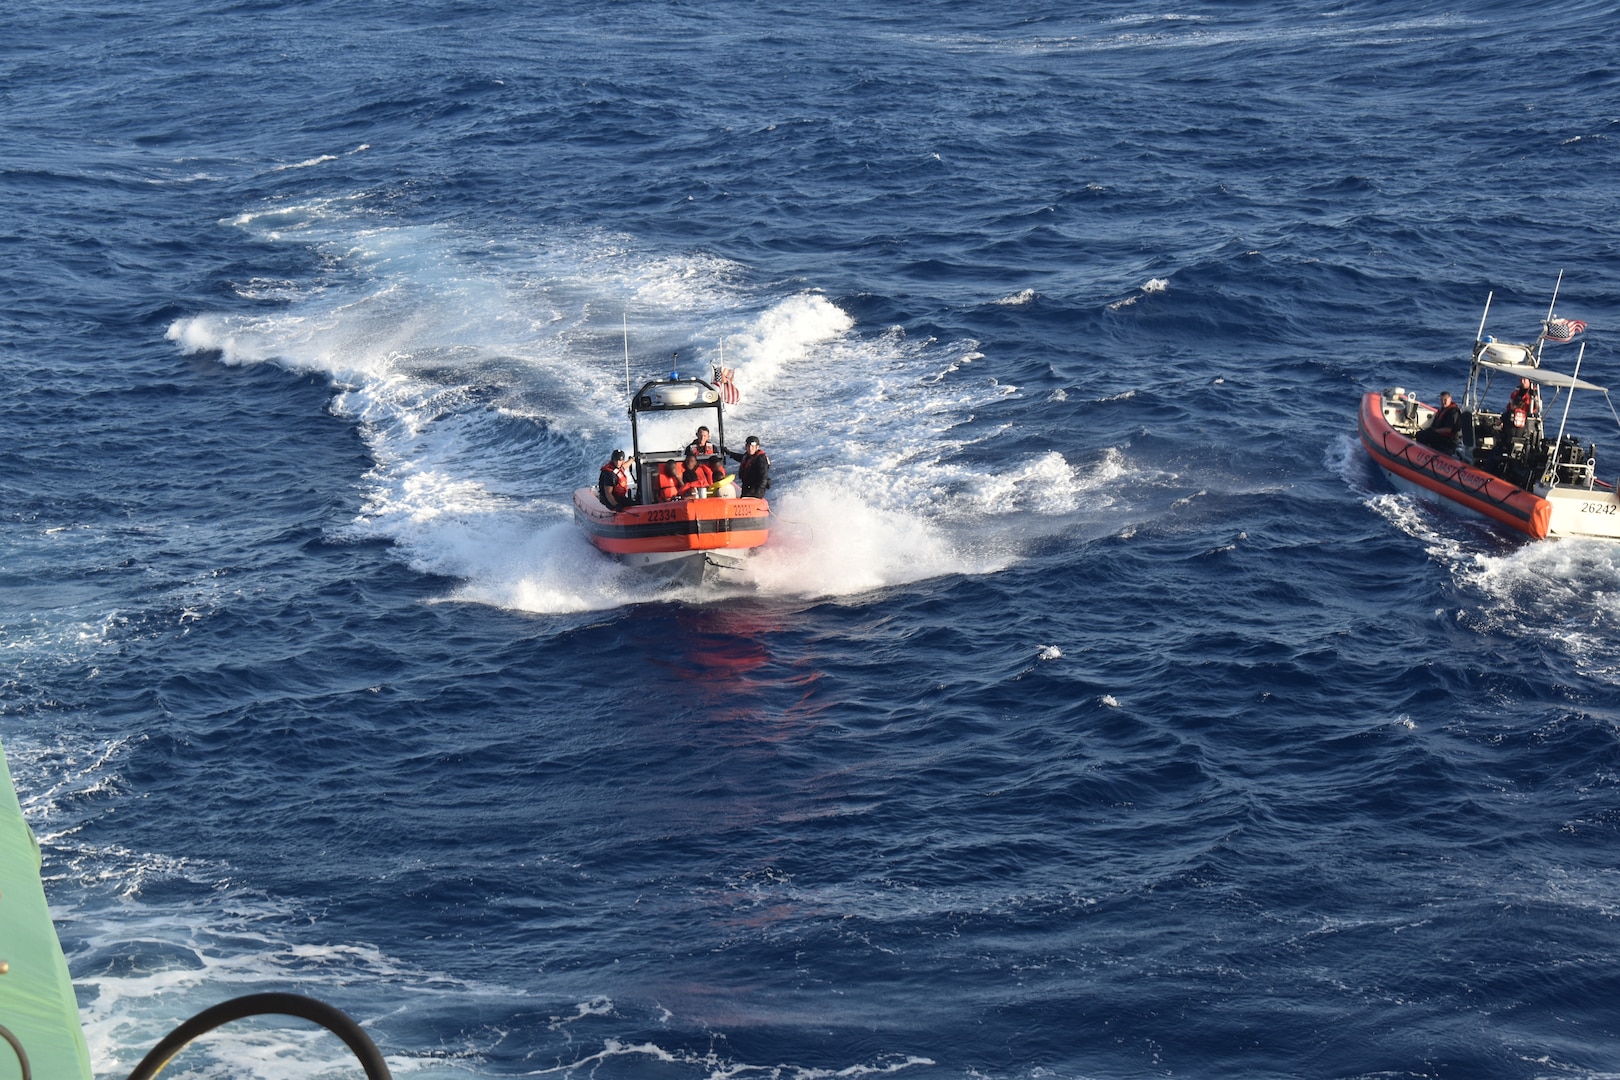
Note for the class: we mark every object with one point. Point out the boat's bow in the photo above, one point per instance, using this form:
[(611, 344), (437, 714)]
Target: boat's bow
[(682, 527)]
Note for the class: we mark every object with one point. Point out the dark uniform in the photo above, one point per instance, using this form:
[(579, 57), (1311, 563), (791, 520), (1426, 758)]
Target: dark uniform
[(753, 469), (1442, 432)]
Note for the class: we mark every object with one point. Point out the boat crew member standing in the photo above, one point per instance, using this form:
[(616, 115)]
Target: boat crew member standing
[(613, 486), (1444, 427), (701, 446), (753, 468), (1522, 408)]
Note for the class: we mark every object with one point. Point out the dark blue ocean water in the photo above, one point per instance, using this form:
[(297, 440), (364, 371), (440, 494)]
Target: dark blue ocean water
[(1097, 710)]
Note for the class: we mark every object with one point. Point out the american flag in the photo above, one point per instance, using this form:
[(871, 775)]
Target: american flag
[(728, 388), (1562, 329)]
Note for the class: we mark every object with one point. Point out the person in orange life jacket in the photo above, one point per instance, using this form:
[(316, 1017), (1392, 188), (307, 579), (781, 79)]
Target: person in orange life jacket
[(753, 468), (701, 446), (669, 482), (613, 485), (1521, 407), (1444, 427), (721, 484), (704, 474), (692, 476)]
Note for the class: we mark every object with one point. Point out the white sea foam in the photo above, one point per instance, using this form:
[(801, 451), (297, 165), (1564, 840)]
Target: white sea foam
[(780, 340), (306, 163), (1148, 288), (833, 542), (1563, 593), (140, 968), (1018, 299), (1344, 459), (1566, 593), (1046, 485)]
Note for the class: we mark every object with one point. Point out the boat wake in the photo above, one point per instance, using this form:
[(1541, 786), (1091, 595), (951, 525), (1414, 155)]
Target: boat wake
[(486, 392), (1562, 595)]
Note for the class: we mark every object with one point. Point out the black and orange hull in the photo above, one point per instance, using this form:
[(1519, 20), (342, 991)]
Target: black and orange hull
[(673, 529), (1446, 477)]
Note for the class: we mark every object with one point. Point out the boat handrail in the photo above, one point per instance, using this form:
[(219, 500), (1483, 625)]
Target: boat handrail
[(1454, 469)]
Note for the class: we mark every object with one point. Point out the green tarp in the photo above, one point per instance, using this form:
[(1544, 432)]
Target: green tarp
[(36, 995)]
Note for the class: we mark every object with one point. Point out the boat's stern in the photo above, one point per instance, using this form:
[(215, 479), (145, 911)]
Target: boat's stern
[(1584, 512)]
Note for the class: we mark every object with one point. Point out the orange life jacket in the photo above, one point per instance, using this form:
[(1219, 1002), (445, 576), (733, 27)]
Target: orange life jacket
[(620, 485), (1521, 406)]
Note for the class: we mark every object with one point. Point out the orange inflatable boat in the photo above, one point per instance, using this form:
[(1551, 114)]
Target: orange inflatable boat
[(1518, 468), (708, 529)]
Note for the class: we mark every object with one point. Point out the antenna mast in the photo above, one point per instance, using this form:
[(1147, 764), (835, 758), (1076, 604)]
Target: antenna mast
[(1470, 393), (1542, 340), (1575, 378)]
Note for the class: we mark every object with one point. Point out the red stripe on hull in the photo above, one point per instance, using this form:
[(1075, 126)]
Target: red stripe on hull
[(685, 525), (1450, 478)]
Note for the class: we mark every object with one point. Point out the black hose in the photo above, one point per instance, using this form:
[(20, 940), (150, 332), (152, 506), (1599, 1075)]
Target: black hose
[(307, 1008), (22, 1055)]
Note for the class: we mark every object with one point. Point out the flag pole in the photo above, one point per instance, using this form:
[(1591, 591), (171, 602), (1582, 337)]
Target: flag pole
[(1556, 286), (626, 318)]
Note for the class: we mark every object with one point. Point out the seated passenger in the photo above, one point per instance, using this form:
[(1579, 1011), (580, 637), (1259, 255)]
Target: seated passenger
[(721, 484), (1443, 429), (694, 477), (669, 482)]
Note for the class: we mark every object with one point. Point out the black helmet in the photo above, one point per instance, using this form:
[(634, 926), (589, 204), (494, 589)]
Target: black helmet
[(752, 440), (618, 455)]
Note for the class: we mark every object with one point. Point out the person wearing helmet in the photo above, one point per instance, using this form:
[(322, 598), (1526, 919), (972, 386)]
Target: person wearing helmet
[(613, 485)]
